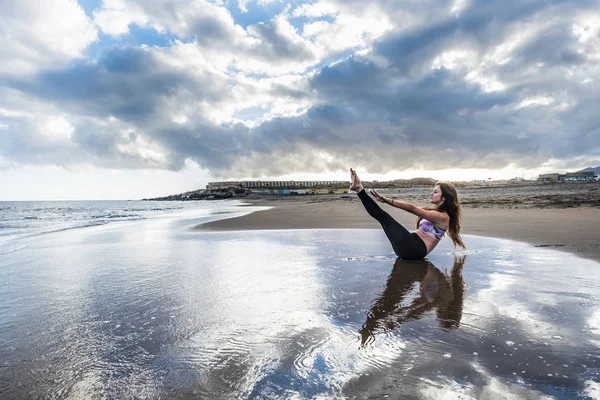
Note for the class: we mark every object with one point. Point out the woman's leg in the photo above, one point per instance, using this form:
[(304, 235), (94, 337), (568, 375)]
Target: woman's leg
[(405, 244), (400, 238)]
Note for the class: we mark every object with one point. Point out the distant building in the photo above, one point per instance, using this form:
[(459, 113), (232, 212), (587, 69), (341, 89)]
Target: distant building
[(273, 184), (579, 176), (569, 176), (223, 185), (548, 177)]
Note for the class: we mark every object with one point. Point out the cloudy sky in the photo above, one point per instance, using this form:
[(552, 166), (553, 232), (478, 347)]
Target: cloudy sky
[(117, 99)]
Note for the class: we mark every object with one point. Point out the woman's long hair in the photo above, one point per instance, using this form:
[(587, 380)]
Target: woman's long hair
[(450, 314), (451, 206)]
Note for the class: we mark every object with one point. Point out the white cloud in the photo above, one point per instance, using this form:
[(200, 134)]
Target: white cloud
[(352, 27), (42, 34), (272, 47), (318, 9), (57, 128), (180, 17), (536, 101), (5, 112), (315, 28), (454, 58), (115, 16), (587, 28), (144, 149), (458, 6), (238, 90)]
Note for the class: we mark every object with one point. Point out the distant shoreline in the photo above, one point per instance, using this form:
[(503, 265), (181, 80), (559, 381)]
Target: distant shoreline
[(567, 195), (399, 186)]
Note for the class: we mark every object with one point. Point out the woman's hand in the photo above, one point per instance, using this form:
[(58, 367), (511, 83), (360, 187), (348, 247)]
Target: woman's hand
[(378, 197)]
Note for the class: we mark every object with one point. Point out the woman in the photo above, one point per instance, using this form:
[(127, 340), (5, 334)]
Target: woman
[(432, 224)]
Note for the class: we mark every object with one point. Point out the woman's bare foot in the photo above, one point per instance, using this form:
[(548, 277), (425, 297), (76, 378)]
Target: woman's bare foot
[(356, 185)]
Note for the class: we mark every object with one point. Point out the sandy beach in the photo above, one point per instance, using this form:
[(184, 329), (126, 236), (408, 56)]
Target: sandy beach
[(564, 217)]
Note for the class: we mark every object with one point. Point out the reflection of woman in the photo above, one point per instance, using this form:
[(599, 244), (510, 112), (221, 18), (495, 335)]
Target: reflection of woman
[(432, 223), (436, 290)]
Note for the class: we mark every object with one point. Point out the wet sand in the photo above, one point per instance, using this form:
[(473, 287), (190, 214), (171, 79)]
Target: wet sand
[(563, 217), (152, 309)]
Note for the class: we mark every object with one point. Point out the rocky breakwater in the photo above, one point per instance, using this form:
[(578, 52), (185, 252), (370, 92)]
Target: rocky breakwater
[(202, 194)]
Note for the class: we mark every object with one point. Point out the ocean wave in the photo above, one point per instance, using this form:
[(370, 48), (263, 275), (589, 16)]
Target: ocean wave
[(113, 216), (87, 224), (6, 226), (68, 228), (109, 219), (11, 250), (40, 218), (125, 216), (55, 209), (138, 209)]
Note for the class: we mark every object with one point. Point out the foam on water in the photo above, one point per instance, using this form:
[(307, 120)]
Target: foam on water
[(24, 219)]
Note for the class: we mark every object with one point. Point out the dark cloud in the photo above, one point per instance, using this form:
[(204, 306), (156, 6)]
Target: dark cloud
[(129, 84), (277, 44), (443, 111), (438, 112), (25, 141), (212, 146), (288, 91), (208, 31)]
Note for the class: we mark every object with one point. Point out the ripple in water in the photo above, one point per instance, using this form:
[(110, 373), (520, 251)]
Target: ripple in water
[(157, 313)]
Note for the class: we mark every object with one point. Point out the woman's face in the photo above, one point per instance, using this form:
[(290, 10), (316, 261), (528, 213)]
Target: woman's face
[(436, 196)]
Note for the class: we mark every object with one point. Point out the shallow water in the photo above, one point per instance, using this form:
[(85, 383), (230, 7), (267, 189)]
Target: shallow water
[(153, 309), (20, 219)]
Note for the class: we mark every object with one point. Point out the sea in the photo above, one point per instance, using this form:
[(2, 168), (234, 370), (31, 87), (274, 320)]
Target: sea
[(23, 219), (128, 299)]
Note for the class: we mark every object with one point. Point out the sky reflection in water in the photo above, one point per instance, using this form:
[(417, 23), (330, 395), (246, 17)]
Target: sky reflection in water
[(153, 309)]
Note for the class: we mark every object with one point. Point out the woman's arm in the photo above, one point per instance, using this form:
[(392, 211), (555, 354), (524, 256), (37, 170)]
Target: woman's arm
[(438, 218)]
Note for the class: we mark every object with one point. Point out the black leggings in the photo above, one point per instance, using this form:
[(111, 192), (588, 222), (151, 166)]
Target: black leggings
[(406, 245)]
